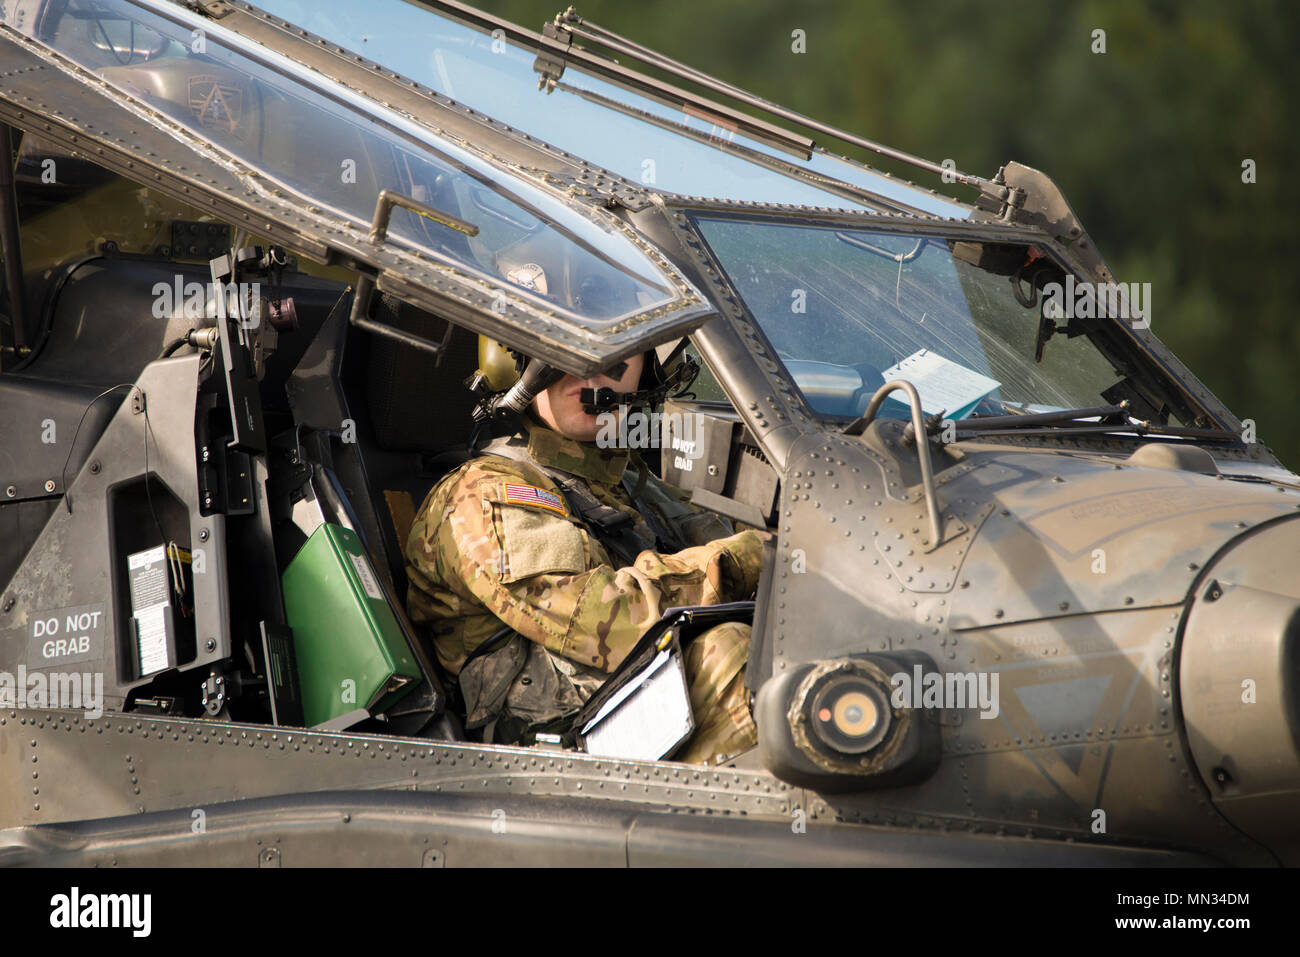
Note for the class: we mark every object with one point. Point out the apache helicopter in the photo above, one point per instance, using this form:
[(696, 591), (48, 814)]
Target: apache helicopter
[(1030, 596)]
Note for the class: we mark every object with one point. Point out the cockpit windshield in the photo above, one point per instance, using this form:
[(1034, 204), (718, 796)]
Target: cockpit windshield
[(627, 133), (339, 151), (849, 309)]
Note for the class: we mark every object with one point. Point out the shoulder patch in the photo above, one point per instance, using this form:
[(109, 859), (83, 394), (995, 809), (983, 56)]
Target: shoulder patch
[(534, 496)]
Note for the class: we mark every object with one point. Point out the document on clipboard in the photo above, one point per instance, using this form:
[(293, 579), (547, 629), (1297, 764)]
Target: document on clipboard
[(944, 386), (649, 715), (643, 712)]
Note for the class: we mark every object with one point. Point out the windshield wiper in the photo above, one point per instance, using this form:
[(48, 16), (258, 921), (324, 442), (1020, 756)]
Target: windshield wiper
[(1068, 421), (1093, 428), (1022, 423), (1024, 419), (1074, 422)]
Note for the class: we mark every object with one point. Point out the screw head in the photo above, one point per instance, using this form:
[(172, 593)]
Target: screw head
[(49, 485), (94, 468), (203, 534), (11, 491)]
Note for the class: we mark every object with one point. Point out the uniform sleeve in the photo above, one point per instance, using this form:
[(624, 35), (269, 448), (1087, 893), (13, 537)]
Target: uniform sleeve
[(537, 568)]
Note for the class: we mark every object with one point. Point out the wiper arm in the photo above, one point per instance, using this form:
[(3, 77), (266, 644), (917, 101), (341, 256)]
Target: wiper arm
[(996, 422), (1071, 420), (1023, 423), (1096, 428)]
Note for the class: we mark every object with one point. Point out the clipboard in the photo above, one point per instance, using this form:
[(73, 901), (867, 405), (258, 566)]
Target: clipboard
[(643, 712)]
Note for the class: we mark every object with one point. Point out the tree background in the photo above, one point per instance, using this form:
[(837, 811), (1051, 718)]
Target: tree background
[(1146, 140)]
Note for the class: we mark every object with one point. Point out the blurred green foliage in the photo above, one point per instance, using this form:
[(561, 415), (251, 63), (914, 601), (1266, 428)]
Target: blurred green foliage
[(1147, 139)]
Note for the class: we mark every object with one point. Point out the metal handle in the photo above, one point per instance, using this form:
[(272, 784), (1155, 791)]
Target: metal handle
[(384, 210), (858, 426)]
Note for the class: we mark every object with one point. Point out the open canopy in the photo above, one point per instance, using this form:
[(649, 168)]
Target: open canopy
[(178, 100), (675, 147)]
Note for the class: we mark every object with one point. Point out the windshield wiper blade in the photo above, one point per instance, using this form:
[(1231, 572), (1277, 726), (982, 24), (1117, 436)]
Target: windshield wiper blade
[(1023, 423), (1096, 428), (1074, 421), (1021, 420)]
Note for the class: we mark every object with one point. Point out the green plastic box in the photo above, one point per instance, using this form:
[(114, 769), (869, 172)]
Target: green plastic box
[(350, 649)]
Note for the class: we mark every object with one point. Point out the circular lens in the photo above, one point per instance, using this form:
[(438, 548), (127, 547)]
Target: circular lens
[(849, 714), (855, 714)]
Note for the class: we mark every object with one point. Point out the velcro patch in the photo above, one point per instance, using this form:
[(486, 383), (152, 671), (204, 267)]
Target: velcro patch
[(538, 497)]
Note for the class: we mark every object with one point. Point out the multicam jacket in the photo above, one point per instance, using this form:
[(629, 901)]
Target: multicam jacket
[(496, 541)]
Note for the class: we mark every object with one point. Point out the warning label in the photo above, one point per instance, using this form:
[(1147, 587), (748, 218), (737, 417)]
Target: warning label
[(62, 636)]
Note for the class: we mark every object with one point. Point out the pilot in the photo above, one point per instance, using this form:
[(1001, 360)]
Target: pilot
[(539, 564)]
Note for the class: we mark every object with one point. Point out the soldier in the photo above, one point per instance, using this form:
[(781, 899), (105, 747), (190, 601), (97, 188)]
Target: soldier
[(578, 550)]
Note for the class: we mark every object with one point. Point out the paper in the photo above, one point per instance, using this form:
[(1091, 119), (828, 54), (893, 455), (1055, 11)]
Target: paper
[(944, 386), (152, 629), (149, 603), (645, 719), (622, 693)]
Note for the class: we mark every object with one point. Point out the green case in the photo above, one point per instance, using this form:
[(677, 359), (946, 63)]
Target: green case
[(343, 629)]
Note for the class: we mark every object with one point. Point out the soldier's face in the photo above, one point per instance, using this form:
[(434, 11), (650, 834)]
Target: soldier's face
[(559, 408)]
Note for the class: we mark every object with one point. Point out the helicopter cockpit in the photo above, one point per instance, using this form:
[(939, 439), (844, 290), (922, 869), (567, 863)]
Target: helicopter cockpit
[(117, 274)]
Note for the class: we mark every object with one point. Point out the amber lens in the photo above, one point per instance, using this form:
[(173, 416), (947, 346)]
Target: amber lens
[(855, 714)]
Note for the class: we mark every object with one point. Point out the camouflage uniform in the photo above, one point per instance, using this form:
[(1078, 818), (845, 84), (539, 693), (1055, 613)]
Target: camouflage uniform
[(496, 541)]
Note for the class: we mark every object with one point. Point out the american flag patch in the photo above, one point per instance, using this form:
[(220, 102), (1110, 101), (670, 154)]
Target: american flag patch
[(531, 495)]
